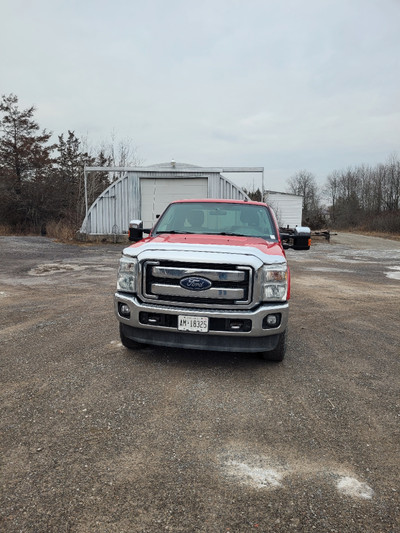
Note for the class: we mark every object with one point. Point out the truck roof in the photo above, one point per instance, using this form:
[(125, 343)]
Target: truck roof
[(218, 200)]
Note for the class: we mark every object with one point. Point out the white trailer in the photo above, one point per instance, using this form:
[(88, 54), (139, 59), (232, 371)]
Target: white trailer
[(287, 207)]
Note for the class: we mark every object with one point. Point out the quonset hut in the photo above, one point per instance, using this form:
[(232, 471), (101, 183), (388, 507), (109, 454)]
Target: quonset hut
[(144, 192)]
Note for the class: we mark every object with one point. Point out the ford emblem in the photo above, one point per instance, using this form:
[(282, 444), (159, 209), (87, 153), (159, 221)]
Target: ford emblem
[(195, 284)]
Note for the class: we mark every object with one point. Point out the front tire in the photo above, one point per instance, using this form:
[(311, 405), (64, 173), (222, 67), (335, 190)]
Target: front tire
[(278, 353), (127, 342)]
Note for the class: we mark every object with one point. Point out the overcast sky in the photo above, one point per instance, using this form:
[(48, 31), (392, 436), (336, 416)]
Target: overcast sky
[(284, 84)]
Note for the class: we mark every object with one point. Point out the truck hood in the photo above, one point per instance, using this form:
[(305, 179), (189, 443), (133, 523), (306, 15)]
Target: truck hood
[(191, 247)]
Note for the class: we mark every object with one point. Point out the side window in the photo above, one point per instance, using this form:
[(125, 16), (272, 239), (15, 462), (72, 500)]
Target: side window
[(267, 225), (166, 221)]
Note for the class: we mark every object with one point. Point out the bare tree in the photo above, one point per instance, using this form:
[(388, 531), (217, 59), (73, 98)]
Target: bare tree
[(391, 195), (331, 192), (121, 153), (366, 196), (303, 183)]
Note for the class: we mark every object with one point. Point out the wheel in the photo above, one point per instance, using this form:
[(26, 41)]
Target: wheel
[(278, 353), (127, 342)]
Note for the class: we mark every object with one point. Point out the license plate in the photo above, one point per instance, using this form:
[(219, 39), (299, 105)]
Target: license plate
[(193, 323)]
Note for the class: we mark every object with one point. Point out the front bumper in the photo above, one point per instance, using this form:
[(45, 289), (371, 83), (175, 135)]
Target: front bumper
[(256, 339)]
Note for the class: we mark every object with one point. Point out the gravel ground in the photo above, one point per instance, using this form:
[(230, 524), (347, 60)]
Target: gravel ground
[(97, 438)]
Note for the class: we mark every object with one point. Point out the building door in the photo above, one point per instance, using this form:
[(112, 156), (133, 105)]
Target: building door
[(157, 193)]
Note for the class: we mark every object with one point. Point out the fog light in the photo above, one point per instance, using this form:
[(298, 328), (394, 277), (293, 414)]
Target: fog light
[(272, 321), (124, 310)]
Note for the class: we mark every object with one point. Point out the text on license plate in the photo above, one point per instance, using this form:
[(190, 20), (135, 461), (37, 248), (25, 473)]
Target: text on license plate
[(193, 323)]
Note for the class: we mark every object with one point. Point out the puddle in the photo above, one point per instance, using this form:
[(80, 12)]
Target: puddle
[(395, 274), (47, 269), (54, 268)]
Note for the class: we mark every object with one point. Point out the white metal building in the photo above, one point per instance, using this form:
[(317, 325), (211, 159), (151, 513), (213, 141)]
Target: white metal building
[(144, 192)]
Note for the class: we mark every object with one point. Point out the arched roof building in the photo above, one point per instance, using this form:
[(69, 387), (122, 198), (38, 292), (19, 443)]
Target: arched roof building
[(144, 192)]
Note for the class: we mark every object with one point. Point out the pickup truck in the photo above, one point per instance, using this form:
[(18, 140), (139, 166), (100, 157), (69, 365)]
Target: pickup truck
[(211, 275)]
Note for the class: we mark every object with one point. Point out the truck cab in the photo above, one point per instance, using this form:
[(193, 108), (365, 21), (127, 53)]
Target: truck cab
[(210, 275)]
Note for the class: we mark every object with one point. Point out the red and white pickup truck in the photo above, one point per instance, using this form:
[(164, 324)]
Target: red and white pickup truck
[(211, 275)]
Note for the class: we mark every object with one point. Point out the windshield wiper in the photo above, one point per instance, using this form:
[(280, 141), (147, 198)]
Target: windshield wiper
[(230, 234), (173, 232)]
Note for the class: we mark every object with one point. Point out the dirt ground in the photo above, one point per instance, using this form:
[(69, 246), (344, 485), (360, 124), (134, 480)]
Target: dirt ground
[(97, 438)]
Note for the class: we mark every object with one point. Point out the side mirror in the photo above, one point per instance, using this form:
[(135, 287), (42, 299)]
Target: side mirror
[(135, 230)]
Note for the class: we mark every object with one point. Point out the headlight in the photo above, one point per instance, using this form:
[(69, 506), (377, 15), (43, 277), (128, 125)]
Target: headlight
[(127, 274), (275, 284)]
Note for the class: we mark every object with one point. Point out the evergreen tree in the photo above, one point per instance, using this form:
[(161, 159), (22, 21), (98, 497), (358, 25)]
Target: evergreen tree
[(71, 163), (25, 163)]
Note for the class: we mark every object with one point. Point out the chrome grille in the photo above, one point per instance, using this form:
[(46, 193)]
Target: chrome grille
[(230, 284)]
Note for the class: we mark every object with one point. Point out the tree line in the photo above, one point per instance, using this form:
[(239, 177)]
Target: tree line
[(42, 183), (364, 197)]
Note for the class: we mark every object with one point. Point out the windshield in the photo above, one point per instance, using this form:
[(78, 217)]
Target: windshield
[(217, 219)]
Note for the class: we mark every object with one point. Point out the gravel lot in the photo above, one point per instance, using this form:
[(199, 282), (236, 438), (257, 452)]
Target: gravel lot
[(95, 438)]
